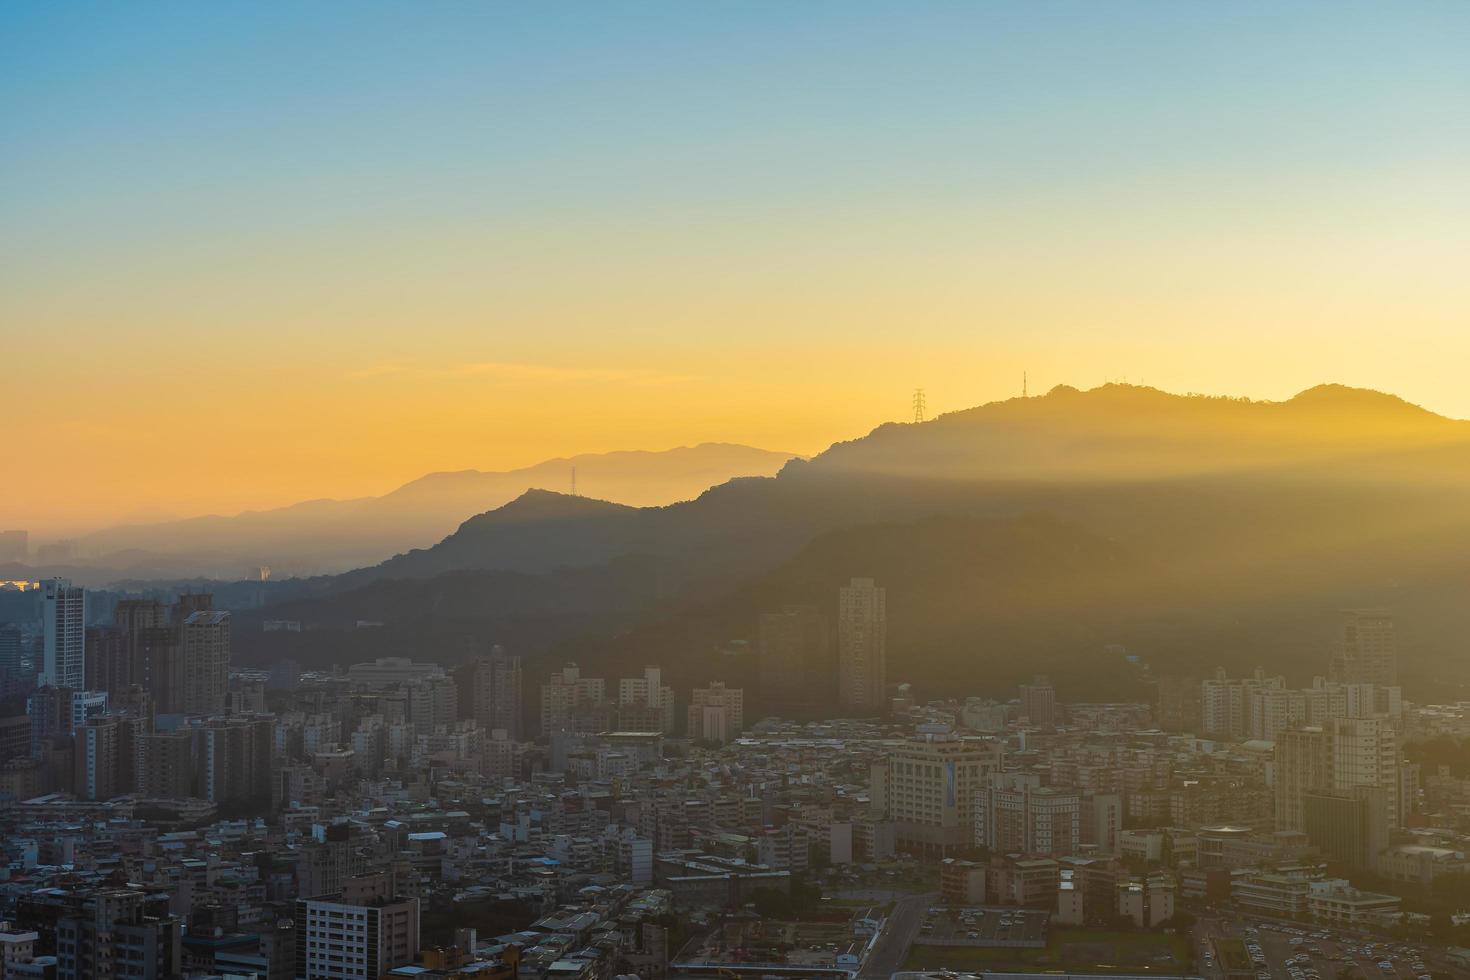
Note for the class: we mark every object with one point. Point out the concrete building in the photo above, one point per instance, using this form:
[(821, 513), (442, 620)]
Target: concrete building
[(1016, 814), (1231, 708), (340, 941), (1367, 652), (1149, 902), (64, 634), (646, 703), (433, 704), (567, 696), (390, 672), (205, 638), (118, 934), (165, 766), (103, 756), (496, 693), (235, 755), (1039, 702), (1352, 759), (927, 787), (716, 713), (862, 647)]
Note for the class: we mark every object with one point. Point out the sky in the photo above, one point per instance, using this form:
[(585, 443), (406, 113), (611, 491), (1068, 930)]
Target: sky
[(252, 253)]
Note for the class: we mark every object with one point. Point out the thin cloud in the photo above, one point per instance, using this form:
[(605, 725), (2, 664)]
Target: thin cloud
[(520, 371)]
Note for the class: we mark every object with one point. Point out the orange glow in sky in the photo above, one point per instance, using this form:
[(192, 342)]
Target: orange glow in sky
[(243, 262)]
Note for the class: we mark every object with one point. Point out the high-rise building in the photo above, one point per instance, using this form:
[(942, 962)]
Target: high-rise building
[(496, 693), (104, 758), (646, 703), (927, 785), (433, 704), (12, 649), (159, 668), (205, 638), (1230, 707), (235, 759), (109, 665), (164, 764), (1367, 652), (862, 647), (1349, 759), (569, 701), (61, 711), (63, 628), (797, 670), (340, 941), (1039, 702), (716, 713)]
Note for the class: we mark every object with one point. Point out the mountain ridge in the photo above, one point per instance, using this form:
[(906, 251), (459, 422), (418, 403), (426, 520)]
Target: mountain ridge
[(347, 533)]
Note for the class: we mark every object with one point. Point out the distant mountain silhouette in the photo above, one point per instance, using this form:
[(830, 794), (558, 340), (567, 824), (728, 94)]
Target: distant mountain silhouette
[(1210, 522), (330, 535)]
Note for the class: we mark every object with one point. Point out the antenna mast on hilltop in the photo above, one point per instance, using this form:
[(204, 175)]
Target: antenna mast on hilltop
[(574, 481), (919, 404)]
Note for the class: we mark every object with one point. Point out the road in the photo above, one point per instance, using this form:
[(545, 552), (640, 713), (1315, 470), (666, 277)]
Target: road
[(898, 934)]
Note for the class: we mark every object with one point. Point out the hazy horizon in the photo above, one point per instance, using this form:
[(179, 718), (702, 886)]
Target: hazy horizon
[(260, 254)]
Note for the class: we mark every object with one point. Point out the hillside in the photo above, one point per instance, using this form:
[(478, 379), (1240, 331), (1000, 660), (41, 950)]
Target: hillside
[(1212, 528), (331, 535)]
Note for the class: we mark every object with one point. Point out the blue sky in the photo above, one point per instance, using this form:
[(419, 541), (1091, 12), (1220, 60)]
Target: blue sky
[(790, 213)]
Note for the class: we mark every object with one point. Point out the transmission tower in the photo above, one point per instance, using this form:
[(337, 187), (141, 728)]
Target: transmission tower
[(574, 481), (919, 404)]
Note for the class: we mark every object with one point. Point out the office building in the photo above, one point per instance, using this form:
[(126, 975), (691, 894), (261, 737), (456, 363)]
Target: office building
[(1039, 702), (63, 631), (862, 648), (927, 787)]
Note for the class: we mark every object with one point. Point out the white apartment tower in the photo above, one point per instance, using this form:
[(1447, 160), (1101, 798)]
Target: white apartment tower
[(63, 629), (647, 698)]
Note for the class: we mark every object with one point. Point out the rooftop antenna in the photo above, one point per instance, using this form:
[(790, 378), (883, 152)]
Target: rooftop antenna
[(574, 481), (919, 404)]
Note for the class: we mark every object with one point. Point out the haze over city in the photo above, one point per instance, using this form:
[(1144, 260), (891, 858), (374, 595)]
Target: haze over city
[(651, 491)]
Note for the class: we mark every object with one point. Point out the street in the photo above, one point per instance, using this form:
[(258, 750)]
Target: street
[(898, 933)]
